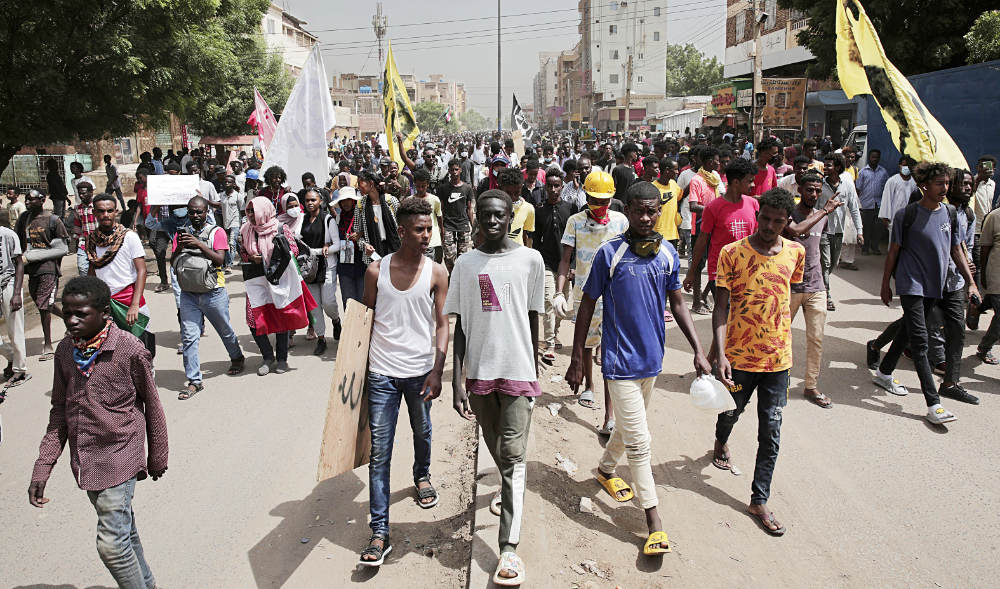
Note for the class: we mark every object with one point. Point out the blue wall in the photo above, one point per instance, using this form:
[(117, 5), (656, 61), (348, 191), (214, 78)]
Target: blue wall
[(962, 99)]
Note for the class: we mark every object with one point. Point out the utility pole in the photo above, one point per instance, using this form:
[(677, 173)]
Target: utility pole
[(379, 24), (628, 91), (758, 83), (499, 116)]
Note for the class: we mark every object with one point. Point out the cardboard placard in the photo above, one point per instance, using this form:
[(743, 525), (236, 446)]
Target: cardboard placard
[(166, 189), (346, 442), (518, 146)]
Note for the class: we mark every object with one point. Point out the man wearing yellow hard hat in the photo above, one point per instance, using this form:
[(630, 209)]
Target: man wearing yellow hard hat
[(584, 234)]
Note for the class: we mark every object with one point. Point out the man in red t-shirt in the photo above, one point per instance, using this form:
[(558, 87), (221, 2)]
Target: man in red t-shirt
[(766, 177), (725, 220)]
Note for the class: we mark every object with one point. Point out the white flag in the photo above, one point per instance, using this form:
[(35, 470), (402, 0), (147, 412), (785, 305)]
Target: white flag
[(300, 143)]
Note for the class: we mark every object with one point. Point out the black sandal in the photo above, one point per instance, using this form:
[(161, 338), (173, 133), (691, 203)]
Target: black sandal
[(378, 553), (193, 388), (236, 366), (426, 493)]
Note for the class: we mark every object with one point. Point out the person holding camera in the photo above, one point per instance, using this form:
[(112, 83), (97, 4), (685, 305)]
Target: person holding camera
[(198, 252)]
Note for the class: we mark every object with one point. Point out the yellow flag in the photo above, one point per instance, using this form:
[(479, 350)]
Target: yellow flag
[(396, 110), (863, 68)]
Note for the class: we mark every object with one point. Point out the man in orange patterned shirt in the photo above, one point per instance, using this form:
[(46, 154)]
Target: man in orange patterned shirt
[(752, 338)]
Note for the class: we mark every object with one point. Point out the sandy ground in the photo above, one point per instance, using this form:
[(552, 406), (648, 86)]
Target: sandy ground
[(871, 494)]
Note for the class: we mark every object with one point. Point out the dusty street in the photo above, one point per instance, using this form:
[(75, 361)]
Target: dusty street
[(872, 496)]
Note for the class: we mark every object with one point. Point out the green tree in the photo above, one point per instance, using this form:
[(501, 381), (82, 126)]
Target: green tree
[(430, 117), (90, 69), (248, 63), (472, 120), (918, 35), (983, 39), (689, 72)]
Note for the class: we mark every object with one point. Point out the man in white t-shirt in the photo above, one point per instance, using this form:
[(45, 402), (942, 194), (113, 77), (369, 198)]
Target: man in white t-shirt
[(12, 307), (116, 256), (497, 292)]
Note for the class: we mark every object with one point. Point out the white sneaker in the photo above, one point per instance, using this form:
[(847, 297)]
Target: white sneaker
[(889, 383), (937, 415)]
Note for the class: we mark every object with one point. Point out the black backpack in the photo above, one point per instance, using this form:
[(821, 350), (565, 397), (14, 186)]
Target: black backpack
[(910, 215)]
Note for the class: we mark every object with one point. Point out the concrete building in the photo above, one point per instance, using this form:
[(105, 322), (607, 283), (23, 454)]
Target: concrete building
[(780, 50), (437, 89), (609, 33), (546, 86), (283, 33)]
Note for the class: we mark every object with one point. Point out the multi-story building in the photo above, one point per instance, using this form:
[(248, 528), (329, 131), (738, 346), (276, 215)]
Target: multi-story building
[(546, 87), (441, 91), (284, 34), (781, 53), (610, 32)]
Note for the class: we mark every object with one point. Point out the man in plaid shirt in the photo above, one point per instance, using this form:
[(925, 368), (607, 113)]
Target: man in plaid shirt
[(84, 223)]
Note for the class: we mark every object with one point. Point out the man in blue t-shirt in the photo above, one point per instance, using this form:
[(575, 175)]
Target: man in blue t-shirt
[(918, 257), (635, 274)]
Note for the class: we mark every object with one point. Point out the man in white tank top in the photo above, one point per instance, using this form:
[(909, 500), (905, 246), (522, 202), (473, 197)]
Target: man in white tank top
[(405, 360)]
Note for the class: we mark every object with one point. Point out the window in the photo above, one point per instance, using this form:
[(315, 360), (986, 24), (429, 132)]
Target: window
[(614, 54), (613, 79), (270, 26), (656, 11), (656, 35), (741, 26), (771, 8), (640, 56), (612, 29), (640, 78), (613, 6)]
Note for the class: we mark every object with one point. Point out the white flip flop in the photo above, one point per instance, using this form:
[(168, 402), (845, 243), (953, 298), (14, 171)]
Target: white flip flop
[(510, 561)]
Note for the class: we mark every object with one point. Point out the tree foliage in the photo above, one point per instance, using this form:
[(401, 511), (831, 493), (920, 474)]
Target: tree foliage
[(472, 120), (689, 72), (430, 117), (983, 39), (248, 63), (89, 69), (918, 35)]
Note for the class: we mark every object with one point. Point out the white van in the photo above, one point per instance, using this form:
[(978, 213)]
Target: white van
[(858, 139)]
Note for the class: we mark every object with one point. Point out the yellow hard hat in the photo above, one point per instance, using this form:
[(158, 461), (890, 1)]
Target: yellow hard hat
[(599, 185)]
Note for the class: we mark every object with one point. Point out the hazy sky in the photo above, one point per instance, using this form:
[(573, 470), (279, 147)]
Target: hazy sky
[(465, 50)]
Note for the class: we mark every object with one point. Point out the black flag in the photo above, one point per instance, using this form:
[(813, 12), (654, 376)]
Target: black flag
[(518, 122)]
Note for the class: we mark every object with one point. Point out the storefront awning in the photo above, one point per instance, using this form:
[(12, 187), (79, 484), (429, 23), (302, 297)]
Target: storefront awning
[(830, 98)]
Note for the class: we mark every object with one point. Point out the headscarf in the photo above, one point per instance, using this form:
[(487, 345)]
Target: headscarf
[(113, 241), (293, 223), (259, 229)]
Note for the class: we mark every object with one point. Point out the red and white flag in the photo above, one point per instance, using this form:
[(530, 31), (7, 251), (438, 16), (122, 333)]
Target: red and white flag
[(279, 307), (263, 120)]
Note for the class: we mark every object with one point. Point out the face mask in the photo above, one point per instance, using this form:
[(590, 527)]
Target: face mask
[(905, 170), (599, 213), (294, 213), (181, 212), (464, 154)]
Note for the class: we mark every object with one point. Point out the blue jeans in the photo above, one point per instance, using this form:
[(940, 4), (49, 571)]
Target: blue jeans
[(82, 263), (772, 396), (384, 394), (195, 308), (117, 538)]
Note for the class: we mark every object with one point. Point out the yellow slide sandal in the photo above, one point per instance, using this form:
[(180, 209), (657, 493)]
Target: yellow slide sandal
[(652, 546), (613, 486)]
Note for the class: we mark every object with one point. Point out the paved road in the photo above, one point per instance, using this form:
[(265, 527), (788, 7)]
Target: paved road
[(871, 494)]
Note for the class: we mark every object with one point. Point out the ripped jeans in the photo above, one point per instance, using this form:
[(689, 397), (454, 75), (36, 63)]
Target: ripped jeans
[(772, 396)]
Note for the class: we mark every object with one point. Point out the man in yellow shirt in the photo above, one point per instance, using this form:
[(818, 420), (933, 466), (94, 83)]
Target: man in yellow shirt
[(522, 222), (670, 193)]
